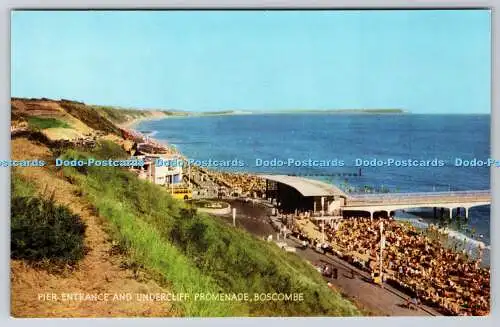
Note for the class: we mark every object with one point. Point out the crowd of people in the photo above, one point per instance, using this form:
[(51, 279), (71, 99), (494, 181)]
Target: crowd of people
[(241, 184), (435, 274), (208, 182)]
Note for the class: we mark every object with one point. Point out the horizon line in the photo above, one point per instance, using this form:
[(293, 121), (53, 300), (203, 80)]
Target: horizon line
[(256, 111)]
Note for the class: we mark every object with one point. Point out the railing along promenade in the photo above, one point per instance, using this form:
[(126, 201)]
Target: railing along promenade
[(418, 197)]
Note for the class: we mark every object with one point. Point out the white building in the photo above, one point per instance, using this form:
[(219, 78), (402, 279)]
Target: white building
[(158, 173)]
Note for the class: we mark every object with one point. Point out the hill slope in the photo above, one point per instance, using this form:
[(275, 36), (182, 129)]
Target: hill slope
[(143, 240)]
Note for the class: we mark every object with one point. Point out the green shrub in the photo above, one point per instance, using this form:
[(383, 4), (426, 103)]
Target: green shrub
[(109, 149), (43, 123), (20, 187), (42, 230)]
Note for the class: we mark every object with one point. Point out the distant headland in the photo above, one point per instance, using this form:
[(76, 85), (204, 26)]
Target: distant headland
[(117, 113), (301, 111)]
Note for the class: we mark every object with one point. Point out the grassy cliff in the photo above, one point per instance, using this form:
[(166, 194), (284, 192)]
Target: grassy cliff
[(195, 253), (180, 249), (123, 115)]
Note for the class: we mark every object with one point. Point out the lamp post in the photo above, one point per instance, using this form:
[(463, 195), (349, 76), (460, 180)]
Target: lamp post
[(189, 174), (382, 245), (323, 220)]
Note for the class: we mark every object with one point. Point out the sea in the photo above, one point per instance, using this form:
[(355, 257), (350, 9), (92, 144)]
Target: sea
[(343, 149)]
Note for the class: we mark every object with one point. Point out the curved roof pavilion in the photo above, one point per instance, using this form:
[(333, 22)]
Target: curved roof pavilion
[(305, 186)]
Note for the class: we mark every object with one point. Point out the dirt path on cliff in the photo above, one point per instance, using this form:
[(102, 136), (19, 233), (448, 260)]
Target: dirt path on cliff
[(38, 293)]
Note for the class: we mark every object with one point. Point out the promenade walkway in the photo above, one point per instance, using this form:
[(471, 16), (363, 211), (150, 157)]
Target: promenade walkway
[(386, 301), (372, 298)]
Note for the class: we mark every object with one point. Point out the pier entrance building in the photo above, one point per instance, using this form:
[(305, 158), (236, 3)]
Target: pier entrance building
[(291, 193)]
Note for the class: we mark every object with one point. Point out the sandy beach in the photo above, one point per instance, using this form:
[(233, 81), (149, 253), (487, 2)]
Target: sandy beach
[(254, 221)]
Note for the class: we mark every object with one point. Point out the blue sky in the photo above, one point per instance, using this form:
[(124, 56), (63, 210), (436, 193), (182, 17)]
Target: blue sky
[(421, 61)]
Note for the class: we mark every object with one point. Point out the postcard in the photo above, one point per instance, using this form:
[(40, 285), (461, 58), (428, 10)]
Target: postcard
[(250, 163)]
